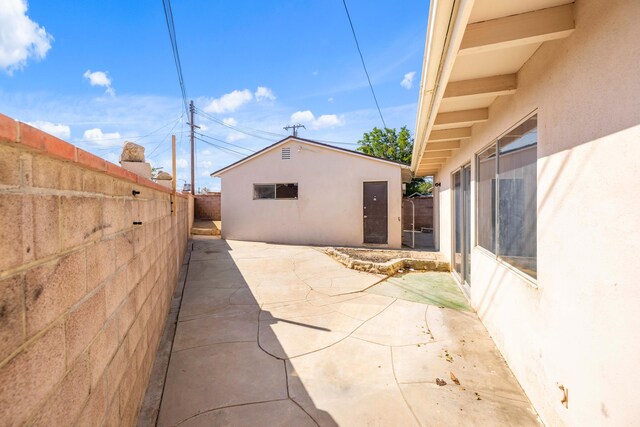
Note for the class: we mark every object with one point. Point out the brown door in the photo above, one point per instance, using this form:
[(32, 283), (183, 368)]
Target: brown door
[(375, 212)]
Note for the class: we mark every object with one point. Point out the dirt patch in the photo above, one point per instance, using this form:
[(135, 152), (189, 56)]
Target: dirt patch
[(386, 261), (385, 255), (375, 255)]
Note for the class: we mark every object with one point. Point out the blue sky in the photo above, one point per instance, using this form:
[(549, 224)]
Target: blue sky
[(98, 72)]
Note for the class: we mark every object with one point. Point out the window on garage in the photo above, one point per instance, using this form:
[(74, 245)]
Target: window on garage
[(284, 191)]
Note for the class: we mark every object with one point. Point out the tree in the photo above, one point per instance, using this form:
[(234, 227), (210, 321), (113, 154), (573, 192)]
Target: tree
[(397, 146)]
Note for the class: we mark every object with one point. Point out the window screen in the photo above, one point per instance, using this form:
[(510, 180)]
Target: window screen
[(507, 197), (261, 191)]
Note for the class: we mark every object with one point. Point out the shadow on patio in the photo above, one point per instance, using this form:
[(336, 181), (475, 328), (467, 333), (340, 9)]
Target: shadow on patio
[(284, 335)]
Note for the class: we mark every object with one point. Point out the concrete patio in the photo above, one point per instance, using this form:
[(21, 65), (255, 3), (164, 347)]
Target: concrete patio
[(280, 335)]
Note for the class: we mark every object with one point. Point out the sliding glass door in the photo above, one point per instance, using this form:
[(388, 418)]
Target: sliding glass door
[(461, 183)]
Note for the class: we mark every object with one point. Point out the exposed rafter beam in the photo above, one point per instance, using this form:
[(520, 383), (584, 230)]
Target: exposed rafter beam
[(430, 165), (450, 134), (440, 146), (487, 86), (516, 30), (439, 153), (439, 159), (427, 171), (462, 118)]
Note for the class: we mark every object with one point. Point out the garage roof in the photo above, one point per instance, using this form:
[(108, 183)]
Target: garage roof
[(404, 166)]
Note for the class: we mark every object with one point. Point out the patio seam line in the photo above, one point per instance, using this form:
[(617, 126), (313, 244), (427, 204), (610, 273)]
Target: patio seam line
[(427, 324), (330, 345), (227, 407), (184, 267), (388, 345), (395, 378), (210, 344), (305, 411), (185, 264)]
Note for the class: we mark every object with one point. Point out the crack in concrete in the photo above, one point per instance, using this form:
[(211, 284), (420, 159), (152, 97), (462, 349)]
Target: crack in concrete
[(393, 369), (227, 407)]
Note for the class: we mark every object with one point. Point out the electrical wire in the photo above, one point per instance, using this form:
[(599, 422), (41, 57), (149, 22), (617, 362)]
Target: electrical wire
[(224, 142), (179, 119), (344, 2), (241, 129), (222, 148), (134, 138), (168, 14)]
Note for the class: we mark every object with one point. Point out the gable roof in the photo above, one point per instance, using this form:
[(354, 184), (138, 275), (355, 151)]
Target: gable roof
[(310, 142)]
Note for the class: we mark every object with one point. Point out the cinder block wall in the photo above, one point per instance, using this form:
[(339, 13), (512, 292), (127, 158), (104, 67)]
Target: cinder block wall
[(84, 292), (207, 206)]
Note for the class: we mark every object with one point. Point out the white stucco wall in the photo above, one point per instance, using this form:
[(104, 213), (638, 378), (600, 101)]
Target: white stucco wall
[(577, 324), (330, 196)]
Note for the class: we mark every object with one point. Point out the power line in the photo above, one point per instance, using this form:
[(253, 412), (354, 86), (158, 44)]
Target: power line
[(222, 148), (344, 2), (179, 119), (168, 14), (134, 138), (224, 142), (241, 129)]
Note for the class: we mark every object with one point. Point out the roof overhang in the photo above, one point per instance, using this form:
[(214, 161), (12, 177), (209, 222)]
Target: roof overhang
[(473, 53), (406, 169)]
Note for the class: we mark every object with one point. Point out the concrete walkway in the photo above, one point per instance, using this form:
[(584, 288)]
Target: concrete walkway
[(272, 335)]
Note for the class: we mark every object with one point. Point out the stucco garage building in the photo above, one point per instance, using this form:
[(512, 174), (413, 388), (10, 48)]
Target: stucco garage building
[(300, 191)]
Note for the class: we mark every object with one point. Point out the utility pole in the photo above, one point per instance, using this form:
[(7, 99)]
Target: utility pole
[(192, 110), (294, 128)]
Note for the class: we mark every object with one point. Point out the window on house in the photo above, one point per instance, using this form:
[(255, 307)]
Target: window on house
[(507, 197), (275, 191)]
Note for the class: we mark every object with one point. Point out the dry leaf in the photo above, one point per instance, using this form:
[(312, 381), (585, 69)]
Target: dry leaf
[(454, 379)]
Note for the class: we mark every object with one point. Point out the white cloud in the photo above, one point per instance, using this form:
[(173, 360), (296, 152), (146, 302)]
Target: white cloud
[(55, 129), (230, 121), (206, 152), (182, 163), (20, 37), (302, 116), (324, 121), (328, 121), (264, 94), (203, 127), (407, 82), (100, 78), (99, 138), (236, 136), (330, 100), (229, 102), (206, 163)]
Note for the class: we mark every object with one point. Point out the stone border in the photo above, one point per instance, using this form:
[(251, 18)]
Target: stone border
[(390, 267)]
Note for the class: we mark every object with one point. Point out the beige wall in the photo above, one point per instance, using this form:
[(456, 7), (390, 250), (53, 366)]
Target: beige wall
[(575, 325), (83, 292), (329, 206)]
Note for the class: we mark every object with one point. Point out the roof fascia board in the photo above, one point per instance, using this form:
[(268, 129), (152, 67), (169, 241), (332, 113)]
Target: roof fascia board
[(447, 23)]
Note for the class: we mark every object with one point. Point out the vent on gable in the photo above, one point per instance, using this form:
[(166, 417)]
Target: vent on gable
[(286, 153)]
